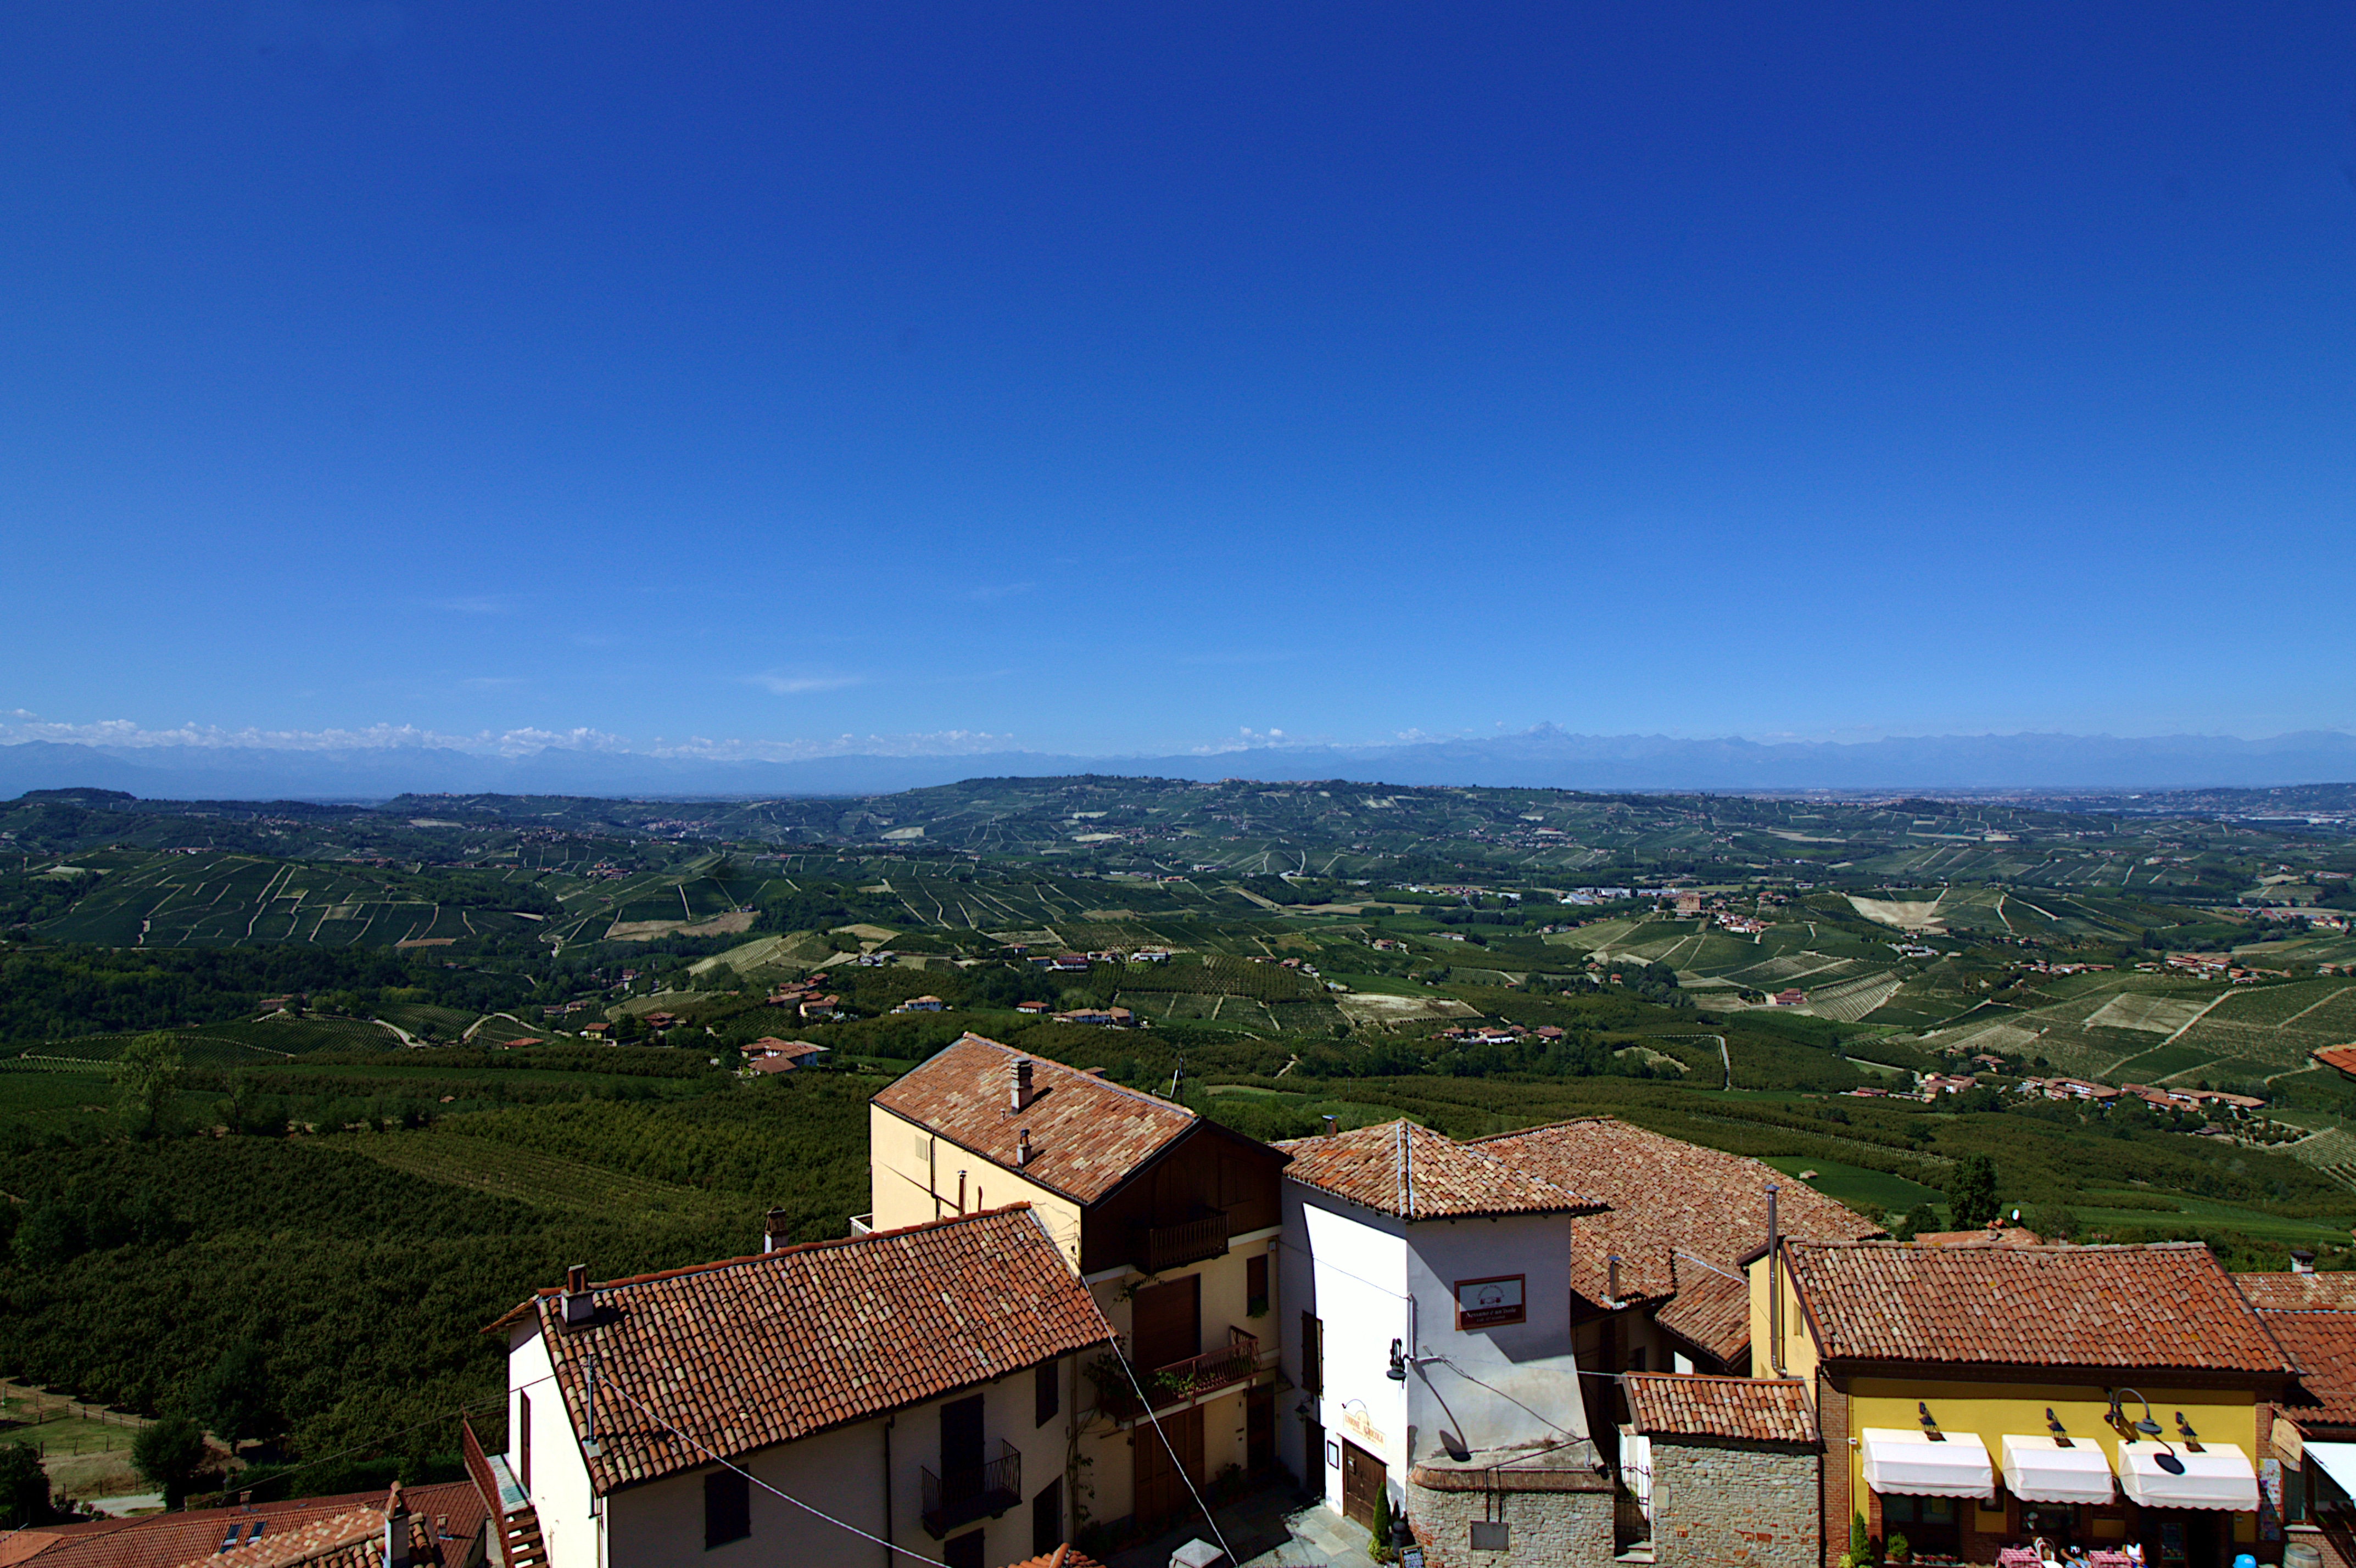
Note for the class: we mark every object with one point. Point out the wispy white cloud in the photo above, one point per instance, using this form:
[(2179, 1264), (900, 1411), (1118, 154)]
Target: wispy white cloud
[(476, 604), (799, 685)]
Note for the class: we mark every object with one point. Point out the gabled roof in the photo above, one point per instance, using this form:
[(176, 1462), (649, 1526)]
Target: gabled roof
[(735, 1356), (1087, 1136), (1682, 1405), (1680, 1212), (452, 1510), (1417, 1174), (2166, 1307), (2301, 1292), (2323, 1343)]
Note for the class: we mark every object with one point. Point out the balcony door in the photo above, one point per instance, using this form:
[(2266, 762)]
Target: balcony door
[(961, 1449), (1166, 1323)]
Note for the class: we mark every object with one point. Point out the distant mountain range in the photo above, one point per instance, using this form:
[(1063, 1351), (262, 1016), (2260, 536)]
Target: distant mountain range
[(1546, 757)]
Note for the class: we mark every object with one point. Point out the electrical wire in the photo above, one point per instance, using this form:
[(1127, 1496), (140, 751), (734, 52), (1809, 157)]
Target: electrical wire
[(730, 1464), (1175, 1464)]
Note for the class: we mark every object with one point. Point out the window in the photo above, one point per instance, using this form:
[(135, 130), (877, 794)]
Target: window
[(1255, 1285), (1046, 1395), (523, 1440), (963, 1551), (1047, 1518), (1312, 1355), (727, 1508)]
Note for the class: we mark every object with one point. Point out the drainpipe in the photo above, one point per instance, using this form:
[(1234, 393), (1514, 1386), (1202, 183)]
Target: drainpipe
[(1774, 1288)]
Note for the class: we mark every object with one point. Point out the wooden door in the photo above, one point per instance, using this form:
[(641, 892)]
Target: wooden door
[(1166, 1323), (1362, 1483), (1160, 1486), (1260, 1430)]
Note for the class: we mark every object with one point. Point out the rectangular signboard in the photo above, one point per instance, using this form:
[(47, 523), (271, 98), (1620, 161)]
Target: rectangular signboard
[(1486, 1303)]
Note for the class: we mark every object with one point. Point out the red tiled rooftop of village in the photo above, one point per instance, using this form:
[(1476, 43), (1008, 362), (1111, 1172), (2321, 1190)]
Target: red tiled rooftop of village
[(1401, 1168), (1684, 1404)]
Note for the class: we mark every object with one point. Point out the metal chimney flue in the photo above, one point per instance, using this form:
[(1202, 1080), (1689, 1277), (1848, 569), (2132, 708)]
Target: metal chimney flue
[(1019, 1083)]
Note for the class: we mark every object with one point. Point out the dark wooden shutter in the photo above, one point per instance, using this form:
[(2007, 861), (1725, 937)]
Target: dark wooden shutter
[(1047, 1518), (1312, 1355), (1166, 1323)]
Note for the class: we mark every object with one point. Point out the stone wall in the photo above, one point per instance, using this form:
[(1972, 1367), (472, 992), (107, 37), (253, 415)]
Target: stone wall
[(1503, 1509), (1727, 1501)]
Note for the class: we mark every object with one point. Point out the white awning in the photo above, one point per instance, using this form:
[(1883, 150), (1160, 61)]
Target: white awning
[(2338, 1461), (2218, 1478), (1907, 1464), (2037, 1469)]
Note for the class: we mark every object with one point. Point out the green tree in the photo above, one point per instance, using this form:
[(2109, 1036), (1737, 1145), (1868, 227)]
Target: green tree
[(1915, 1221), (146, 1076), (233, 1397), (1970, 1193), (170, 1455), (23, 1487), (2052, 1222)]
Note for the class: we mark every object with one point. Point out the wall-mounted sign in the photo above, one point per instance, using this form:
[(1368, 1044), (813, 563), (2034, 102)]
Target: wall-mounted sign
[(1355, 1420), (1486, 1303), (1333, 1455)]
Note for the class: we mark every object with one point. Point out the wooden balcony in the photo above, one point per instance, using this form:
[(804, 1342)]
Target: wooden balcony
[(1153, 1248), (963, 1495), (1182, 1383)]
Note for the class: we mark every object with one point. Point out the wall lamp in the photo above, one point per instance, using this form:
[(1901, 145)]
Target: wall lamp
[(1396, 1371), (1929, 1422), (2061, 1433), (2147, 1427)]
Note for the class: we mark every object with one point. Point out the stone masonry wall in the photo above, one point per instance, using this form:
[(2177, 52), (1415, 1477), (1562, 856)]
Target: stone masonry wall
[(1717, 1502), (1546, 1526)]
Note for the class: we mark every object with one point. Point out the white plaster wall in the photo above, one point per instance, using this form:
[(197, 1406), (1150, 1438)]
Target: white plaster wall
[(1346, 1265), (1501, 1385), (559, 1475), (660, 1523)]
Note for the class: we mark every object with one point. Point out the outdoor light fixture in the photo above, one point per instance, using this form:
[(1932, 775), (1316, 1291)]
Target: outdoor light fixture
[(2147, 1427), (2061, 1433), (1929, 1422), (1398, 1370)]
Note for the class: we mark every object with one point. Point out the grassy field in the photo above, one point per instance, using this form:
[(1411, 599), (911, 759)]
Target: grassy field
[(1858, 1187)]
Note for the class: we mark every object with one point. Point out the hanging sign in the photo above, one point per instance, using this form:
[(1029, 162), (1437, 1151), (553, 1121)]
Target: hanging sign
[(1486, 1303)]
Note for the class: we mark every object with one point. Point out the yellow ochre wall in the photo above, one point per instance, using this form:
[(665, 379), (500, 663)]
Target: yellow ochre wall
[(907, 1167), (1799, 1346)]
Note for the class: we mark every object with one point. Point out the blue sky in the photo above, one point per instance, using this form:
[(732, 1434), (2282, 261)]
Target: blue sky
[(1119, 378)]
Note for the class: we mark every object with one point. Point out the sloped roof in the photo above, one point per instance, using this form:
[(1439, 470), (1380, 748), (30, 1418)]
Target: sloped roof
[(735, 1356), (2323, 1343), (1087, 1136), (162, 1540), (1413, 1172), (1684, 1404), (2342, 1056), (2169, 1306), (2301, 1292), (1668, 1197)]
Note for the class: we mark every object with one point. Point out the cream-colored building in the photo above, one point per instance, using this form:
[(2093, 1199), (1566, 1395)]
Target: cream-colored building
[(1168, 1218)]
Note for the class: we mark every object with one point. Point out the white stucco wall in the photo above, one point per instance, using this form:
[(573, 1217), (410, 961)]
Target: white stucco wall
[(1500, 1385), (659, 1524), (1347, 1266), (560, 1476)]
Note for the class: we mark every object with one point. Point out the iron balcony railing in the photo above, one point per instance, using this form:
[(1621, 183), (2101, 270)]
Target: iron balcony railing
[(1152, 1248), (963, 1495), (1181, 1381)]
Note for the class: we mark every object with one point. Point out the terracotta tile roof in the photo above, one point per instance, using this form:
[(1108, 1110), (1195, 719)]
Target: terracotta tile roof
[(162, 1540), (1401, 1169), (1087, 1136), (2301, 1292), (2323, 1343), (1683, 1404), (2169, 1305), (2342, 1056), (738, 1355), (1669, 1197)]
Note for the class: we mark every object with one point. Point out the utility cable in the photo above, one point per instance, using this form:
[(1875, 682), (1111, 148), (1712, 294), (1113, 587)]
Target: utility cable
[(1175, 1464), (755, 1480)]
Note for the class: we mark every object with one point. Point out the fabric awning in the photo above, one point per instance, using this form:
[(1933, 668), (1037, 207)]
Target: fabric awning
[(2037, 1469), (2337, 1460), (2218, 1478), (1907, 1464)]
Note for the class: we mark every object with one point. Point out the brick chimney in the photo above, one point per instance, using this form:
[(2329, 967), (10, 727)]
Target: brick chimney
[(1023, 1148), (1333, 1125), (1019, 1082), (580, 1306), (396, 1529), (773, 1231)]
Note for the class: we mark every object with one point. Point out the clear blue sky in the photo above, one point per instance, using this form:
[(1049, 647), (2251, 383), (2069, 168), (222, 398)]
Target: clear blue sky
[(1115, 378)]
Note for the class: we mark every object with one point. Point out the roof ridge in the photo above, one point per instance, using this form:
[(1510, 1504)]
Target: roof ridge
[(1549, 1127), (1098, 1079), (715, 1264)]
